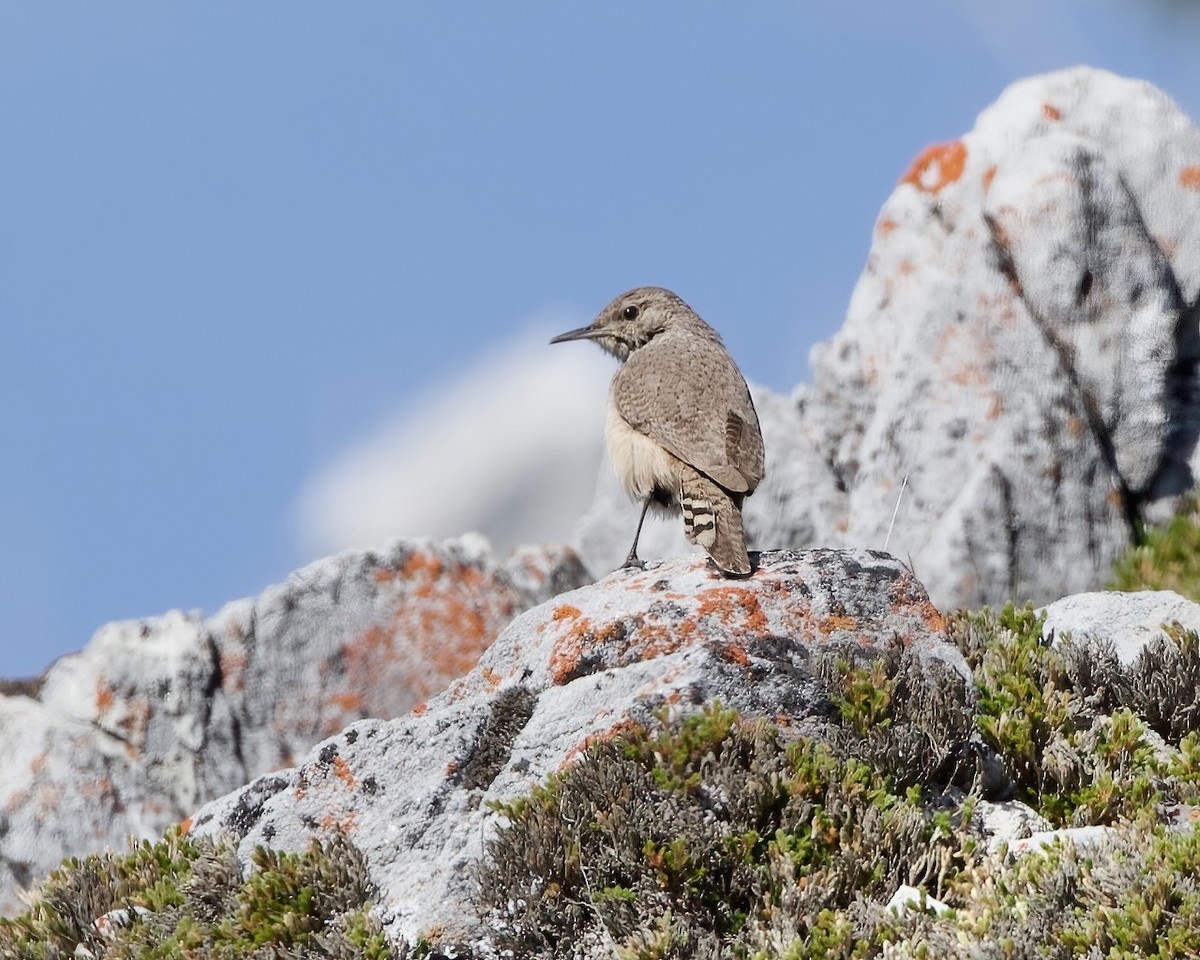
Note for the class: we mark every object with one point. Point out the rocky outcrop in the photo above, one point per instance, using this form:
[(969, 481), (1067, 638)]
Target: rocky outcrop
[(416, 794), (1021, 349), (155, 717)]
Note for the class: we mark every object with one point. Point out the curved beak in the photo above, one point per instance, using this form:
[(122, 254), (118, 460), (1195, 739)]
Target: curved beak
[(583, 333)]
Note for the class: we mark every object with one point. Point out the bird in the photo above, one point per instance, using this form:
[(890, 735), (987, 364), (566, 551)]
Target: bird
[(681, 428)]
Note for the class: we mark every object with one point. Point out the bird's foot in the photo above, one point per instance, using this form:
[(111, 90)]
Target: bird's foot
[(633, 563)]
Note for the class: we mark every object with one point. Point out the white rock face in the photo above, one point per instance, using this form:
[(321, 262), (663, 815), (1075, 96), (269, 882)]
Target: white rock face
[(1127, 622), (155, 717), (415, 793), (1022, 346)]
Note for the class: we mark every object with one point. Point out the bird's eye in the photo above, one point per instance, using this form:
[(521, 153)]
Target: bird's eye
[(630, 312)]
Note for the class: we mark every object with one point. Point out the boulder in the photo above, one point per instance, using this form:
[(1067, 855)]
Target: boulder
[(157, 716), (1126, 623), (417, 794)]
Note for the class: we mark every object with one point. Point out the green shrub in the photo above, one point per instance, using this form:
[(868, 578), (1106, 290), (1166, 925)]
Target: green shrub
[(1071, 724), (1168, 558), (316, 903), (696, 836)]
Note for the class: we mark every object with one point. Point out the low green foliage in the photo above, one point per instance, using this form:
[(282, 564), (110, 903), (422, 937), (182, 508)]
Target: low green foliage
[(907, 715), (1168, 557), (703, 835), (197, 905), (1136, 895), (1071, 724)]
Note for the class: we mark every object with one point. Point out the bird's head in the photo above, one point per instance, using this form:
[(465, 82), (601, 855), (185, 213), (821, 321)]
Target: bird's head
[(635, 318)]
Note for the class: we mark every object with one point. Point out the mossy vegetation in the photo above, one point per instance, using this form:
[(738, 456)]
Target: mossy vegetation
[(1083, 739), (184, 898), (693, 835), (1168, 557)]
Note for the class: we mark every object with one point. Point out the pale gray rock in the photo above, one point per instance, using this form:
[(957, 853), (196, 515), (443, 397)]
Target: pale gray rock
[(1021, 348), (1008, 821), (154, 717), (1081, 838), (1123, 622), (415, 794), (1022, 343)]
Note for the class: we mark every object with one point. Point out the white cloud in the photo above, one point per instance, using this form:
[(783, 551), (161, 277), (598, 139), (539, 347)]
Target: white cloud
[(509, 448)]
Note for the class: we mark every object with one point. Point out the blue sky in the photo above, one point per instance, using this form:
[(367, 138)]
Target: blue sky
[(238, 240)]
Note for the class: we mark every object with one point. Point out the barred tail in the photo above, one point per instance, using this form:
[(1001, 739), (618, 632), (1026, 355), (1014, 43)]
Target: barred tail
[(712, 518)]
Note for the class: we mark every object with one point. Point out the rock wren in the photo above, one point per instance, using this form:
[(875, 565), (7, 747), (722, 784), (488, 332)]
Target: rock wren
[(681, 428)]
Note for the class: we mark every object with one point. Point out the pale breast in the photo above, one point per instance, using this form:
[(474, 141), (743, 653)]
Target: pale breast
[(641, 464)]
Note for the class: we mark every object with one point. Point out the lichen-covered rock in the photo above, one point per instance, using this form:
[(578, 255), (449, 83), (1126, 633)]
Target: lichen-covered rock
[(155, 717), (416, 794), (1021, 346), (1023, 342)]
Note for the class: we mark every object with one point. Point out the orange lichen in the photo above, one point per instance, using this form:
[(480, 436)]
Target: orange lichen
[(988, 176), (419, 709), (491, 677), (651, 642), (932, 617), (734, 605), (837, 622), (1051, 112), (346, 702), (422, 563), (564, 664), (996, 408), (341, 770), (339, 824), (185, 826), (565, 612), (104, 697), (885, 225), (736, 653), (233, 669), (445, 615), (937, 166), (451, 768), (1189, 177), (969, 373), (569, 651)]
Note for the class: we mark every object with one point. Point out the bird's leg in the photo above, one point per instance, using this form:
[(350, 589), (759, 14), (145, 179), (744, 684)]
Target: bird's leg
[(632, 560)]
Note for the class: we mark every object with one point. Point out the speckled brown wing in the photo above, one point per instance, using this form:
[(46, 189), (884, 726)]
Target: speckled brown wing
[(686, 394)]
